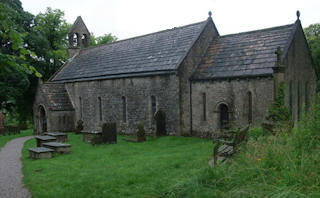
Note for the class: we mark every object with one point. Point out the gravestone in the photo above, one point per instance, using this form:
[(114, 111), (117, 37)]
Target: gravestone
[(1, 123), (109, 133)]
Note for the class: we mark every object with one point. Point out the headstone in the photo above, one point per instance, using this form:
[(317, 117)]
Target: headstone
[(1, 123), (109, 133)]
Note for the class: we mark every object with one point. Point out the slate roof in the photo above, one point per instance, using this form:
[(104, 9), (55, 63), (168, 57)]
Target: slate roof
[(154, 53), (245, 54), (57, 96)]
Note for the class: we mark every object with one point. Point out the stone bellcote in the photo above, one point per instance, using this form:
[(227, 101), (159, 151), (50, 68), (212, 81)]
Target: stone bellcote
[(78, 36)]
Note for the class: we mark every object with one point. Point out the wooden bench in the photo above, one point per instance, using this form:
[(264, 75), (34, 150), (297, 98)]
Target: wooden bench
[(225, 146), (44, 139), (61, 137), (40, 153), (58, 147)]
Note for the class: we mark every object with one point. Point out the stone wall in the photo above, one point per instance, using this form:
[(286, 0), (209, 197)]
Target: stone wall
[(300, 74), (233, 93), (186, 69), (137, 92)]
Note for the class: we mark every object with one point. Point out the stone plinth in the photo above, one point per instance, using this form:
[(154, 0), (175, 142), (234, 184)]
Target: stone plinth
[(89, 135), (58, 147), (40, 153), (44, 139), (61, 137)]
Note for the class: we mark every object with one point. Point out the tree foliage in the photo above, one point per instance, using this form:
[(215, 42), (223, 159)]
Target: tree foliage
[(313, 37), (107, 38)]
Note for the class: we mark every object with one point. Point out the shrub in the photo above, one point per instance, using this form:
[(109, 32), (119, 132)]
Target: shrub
[(279, 114), (79, 127), (141, 132)]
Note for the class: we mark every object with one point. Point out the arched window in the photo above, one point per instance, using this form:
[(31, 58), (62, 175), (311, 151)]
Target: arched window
[(204, 107), (290, 97), (298, 100), (153, 107), (124, 109), (84, 40), (80, 107), (224, 116), (100, 108), (42, 120), (250, 107), (75, 40), (306, 95)]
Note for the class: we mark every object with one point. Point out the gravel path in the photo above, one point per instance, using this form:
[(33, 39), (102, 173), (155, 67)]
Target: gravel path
[(10, 170)]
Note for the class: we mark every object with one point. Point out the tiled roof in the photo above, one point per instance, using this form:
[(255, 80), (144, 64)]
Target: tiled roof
[(244, 54), (152, 53), (57, 96)]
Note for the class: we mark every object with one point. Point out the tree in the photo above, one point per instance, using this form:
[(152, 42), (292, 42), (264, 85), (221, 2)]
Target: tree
[(14, 67), (313, 37), (107, 38), (48, 39)]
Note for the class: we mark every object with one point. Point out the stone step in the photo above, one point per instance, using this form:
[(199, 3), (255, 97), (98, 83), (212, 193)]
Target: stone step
[(58, 147), (40, 152), (44, 139)]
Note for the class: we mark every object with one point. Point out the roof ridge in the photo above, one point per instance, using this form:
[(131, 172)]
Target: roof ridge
[(136, 37), (258, 30)]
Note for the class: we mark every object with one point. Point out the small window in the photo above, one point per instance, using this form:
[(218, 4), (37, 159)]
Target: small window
[(306, 95), (290, 97), (298, 101), (124, 109), (224, 116), (250, 107), (75, 40), (204, 107), (80, 105), (153, 107), (100, 108), (84, 40)]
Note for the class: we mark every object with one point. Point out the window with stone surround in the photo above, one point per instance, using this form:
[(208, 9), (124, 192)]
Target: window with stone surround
[(204, 107), (100, 108), (124, 109), (306, 95), (80, 105), (250, 107), (153, 108), (290, 97)]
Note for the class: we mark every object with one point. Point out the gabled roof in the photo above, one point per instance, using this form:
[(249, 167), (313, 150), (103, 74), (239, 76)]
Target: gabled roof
[(57, 96), (154, 53), (78, 23), (245, 54)]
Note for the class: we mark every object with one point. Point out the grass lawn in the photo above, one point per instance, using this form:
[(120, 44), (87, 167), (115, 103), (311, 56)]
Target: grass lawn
[(124, 169), (6, 138)]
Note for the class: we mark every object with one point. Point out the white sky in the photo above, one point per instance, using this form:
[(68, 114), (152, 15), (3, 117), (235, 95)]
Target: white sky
[(128, 18)]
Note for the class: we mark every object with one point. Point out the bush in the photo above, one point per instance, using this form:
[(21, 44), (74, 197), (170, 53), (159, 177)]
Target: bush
[(79, 127), (255, 133), (141, 132)]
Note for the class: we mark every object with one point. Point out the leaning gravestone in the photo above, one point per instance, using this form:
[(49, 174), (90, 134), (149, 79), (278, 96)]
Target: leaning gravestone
[(1, 123)]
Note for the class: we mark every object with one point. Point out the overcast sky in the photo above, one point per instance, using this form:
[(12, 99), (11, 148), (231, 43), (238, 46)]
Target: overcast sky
[(128, 18)]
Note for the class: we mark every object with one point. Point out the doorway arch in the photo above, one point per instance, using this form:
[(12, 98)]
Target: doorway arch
[(223, 116), (42, 120)]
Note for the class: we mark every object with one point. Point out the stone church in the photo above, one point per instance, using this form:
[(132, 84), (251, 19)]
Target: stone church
[(204, 82)]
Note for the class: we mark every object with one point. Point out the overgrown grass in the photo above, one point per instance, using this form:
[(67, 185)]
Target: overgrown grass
[(285, 165), (124, 169), (6, 138)]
